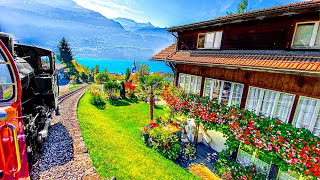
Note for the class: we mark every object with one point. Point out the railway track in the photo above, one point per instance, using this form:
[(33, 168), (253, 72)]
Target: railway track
[(64, 154), (70, 93)]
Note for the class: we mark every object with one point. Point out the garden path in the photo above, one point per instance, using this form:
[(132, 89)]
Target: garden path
[(204, 155)]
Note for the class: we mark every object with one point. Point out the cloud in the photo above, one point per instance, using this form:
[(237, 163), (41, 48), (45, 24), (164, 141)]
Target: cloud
[(110, 8)]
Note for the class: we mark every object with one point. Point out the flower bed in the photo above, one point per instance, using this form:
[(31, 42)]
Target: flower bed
[(165, 137), (280, 143)]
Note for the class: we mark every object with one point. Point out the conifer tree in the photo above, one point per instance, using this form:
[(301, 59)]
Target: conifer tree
[(65, 51), (127, 76)]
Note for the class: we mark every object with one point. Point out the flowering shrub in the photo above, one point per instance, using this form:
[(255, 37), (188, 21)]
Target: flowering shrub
[(129, 87), (230, 169), (188, 151), (97, 98), (286, 146), (165, 137), (162, 139)]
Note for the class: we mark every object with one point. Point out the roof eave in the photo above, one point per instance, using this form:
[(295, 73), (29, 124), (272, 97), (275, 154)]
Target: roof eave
[(255, 15), (272, 70)]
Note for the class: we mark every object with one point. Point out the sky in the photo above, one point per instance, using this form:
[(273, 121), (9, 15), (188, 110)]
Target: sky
[(168, 13)]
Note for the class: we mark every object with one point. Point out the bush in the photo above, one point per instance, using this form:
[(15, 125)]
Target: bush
[(165, 136), (97, 99), (112, 87), (188, 151), (233, 170), (163, 139), (166, 142)]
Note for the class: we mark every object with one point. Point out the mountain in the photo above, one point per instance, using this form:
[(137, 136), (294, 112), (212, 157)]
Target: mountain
[(131, 25), (91, 35)]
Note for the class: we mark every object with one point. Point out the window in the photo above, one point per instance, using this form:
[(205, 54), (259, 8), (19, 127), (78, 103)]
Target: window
[(210, 40), (6, 80), (272, 104), (307, 35), (307, 115), (45, 62), (190, 83), (223, 91)]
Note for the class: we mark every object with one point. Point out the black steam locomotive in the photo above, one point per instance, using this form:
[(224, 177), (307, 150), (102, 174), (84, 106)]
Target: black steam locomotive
[(39, 86)]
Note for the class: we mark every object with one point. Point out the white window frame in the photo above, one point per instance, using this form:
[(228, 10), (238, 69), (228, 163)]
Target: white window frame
[(195, 86), (214, 40), (314, 115), (221, 90), (274, 106), (313, 37)]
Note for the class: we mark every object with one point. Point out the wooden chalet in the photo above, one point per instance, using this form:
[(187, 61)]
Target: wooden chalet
[(267, 61)]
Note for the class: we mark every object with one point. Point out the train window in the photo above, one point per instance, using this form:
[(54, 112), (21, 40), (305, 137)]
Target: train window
[(45, 62), (6, 84), (5, 76), (1, 58), (6, 92)]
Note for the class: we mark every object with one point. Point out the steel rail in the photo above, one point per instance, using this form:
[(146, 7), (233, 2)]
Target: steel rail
[(65, 96)]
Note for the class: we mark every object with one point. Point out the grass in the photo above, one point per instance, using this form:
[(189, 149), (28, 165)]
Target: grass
[(115, 146), (75, 86)]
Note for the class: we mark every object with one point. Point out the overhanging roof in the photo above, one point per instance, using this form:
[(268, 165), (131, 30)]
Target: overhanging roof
[(285, 10), (276, 61)]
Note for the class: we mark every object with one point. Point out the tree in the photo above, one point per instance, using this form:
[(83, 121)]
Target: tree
[(111, 87), (102, 77), (127, 75), (65, 51), (143, 68), (122, 90), (84, 77), (150, 84), (96, 69), (241, 7)]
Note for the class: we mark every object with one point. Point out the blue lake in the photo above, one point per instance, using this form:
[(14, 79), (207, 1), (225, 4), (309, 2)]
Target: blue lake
[(120, 66)]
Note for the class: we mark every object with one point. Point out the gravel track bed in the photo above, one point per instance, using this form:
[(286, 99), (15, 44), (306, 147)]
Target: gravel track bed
[(64, 152)]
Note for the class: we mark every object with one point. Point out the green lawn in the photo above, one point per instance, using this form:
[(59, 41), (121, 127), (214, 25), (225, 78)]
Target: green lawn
[(75, 86), (115, 146)]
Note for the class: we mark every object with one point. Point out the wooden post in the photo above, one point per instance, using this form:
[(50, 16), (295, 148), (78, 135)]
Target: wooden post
[(176, 78), (196, 135), (245, 91), (294, 106), (202, 85)]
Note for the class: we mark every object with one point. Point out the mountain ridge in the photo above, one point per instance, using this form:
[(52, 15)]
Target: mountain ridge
[(91, 35), (132, 25)]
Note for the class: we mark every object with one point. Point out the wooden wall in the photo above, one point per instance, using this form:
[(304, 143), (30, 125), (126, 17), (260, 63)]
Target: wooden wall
[(294, 84), (271, 34)]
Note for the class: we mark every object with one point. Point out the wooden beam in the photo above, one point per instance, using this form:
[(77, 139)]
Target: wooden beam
[(202, 85), (294, 106), (245, 90)]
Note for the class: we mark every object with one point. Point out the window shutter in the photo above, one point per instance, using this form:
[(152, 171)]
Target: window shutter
[(209, 40), (217, 40), (316, 130)]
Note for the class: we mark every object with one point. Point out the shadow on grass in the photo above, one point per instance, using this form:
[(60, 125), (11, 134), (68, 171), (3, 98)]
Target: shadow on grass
[(119, 102), (123, 102), (131, 100), (159, 107), (100, 106)]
